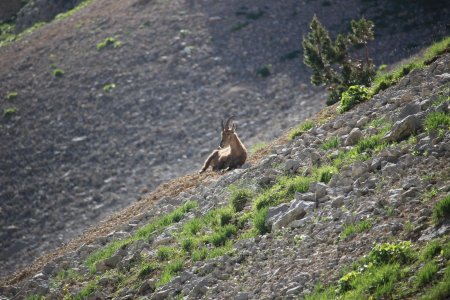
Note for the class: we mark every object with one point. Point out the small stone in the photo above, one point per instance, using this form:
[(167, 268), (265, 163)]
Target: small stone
[(242, 296), (338, 202), (403, 129), (359, 168)]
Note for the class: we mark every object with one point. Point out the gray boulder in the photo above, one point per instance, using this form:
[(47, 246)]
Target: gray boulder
[(403, 129), (353, 137)]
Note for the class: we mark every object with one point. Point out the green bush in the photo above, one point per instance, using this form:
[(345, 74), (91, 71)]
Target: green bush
[(225, 216), (222, 234), (391, 253), (192, 227), (239, 198), (345, 281), (264, 71), (187, 244), (58, 73), (11, 95), (8, 112), (354, 95), (441, 210), (199, 254), (109, 87), (108, 42)]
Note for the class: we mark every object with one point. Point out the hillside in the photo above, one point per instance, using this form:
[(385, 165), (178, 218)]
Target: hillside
[(352, 205), (90, 130)]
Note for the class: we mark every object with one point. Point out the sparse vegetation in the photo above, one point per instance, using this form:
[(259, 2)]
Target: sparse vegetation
[(57, 73), (437, 120), (301, 128), (11, 95), (109, 42), (331, 143), (352, 229), (441, 210), (9, 112), (352, 96), (264, 71), (240, 197), (426, 273), (257, 147), (109, 87)]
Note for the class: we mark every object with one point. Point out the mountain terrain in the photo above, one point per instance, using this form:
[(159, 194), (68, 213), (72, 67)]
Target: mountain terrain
[(352, 205), (115, 99)]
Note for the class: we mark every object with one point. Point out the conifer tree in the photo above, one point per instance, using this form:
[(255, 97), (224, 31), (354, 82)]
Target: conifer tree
[(330, 61)]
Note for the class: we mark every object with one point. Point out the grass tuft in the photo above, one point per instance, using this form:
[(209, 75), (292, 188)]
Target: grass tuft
[(300, 129), (441, 210)]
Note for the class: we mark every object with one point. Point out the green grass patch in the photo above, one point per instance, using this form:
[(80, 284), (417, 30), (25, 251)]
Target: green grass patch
[(188, 244), (352, 229), (441, 290), (426, 274), (199, 254), (441, 210), (222, 234), (140, 234), (300, 129), (432, 249), (109, 42), (257, 147), (170, 270), (325, 173), (284, 190), (352, 96), (86, 291), (57, 73), (11, 95), (264, 71), (383, 81), (146, 269), (109, 87), (259, 221), (388, 253), (436, 120), (165, 253), (240, 197), (331, 143), (9, 112)]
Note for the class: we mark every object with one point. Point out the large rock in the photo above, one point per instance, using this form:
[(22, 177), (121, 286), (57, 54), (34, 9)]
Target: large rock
[(403, 129), (353, 137), (42, 11), (282, 215)]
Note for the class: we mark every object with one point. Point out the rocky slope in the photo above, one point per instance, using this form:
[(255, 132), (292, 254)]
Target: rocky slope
[(80, 146), (299, 216)]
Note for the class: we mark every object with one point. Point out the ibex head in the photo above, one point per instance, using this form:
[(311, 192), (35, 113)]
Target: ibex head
[(227, 133)]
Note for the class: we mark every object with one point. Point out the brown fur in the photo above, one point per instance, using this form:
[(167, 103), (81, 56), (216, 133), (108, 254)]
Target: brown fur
[(231, 153)]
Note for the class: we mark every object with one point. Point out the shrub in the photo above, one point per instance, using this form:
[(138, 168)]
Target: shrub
[(354, 95), (391, 253), (239, 198), (300, 129), (187, 244), (264, 71), (58, 73), (345, 281), (435, 120), (259, 220), (325, 173), (441, 210)]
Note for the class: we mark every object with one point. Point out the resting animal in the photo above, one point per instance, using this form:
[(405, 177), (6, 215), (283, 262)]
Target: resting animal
[(231, 152)]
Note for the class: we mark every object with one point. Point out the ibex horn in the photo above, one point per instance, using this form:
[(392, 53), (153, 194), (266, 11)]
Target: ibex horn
[(221, 123), (227, 124)]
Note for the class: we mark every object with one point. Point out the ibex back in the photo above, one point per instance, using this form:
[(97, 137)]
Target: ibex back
[(231, 152)]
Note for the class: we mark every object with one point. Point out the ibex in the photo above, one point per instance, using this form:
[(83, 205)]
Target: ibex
[(231, 152)]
